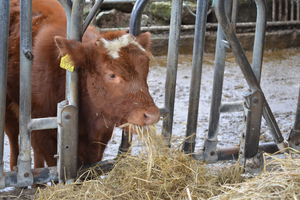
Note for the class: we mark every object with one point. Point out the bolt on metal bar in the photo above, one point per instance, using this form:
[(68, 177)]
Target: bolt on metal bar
[(4, 35), (199, 40), (211, 141), (24, 160), (246, 68), (170, 86), (259, 39)]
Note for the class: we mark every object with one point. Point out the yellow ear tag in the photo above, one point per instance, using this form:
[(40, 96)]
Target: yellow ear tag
[(66, 63)]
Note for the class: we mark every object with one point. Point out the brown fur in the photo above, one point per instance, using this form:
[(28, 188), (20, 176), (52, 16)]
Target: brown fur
[(112, 91)]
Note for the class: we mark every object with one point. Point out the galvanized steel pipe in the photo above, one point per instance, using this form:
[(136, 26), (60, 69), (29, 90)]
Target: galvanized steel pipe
[(259, 40), (216, 99), (198, 49), (4, 33), (24, 160), (170, 86)]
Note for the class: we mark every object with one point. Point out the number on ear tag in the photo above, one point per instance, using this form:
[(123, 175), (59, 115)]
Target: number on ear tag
[(66, 63)]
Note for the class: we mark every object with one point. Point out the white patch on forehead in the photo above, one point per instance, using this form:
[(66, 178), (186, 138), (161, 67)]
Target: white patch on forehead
[(115, 45)]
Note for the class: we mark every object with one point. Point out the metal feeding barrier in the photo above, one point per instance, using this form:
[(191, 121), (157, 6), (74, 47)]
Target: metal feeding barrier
[(254, 106)]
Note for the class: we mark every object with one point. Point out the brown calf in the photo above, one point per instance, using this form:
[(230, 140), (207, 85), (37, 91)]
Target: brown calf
[(113, 82)]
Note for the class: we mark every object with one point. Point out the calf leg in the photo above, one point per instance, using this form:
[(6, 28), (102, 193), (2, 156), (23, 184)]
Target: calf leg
[(44, 147), (12, 131)]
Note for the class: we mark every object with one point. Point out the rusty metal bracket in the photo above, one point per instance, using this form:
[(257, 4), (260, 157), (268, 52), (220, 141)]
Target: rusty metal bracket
[(249, 143), (67, 144)]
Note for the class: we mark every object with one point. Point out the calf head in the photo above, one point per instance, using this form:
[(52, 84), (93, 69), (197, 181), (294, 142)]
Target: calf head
[(116, 66)]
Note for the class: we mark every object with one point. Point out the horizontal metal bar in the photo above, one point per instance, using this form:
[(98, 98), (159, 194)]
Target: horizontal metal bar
[(208, 26), (42, 123), (40, 175), (126, 1), (232, 107), (232, 152), (163, 111)]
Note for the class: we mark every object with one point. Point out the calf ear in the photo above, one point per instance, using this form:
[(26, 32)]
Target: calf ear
[(73, 48), (144, 40)]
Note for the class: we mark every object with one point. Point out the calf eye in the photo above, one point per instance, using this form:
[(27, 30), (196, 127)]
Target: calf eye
[(112, 76)]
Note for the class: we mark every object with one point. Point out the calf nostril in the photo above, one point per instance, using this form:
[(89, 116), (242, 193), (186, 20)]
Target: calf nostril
[(145, 116)]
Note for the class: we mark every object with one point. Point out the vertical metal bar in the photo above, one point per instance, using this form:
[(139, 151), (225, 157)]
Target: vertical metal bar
[(67, 5), (4, 31), (259, 40), (24, 160), (136, 17), (298, 10), (280, 10), (174, 37), (75, 34), (199, 40), (72, 96), (211, 141), (273, 10), (235, 6), (292, 10), (286, 10)]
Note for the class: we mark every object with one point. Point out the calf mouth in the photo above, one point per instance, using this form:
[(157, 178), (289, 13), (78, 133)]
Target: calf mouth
[(137, 129)]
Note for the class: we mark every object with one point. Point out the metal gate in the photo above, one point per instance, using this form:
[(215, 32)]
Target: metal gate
[(254, 106)]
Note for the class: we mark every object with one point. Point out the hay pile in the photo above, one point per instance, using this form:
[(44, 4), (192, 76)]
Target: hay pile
[(158, 173)]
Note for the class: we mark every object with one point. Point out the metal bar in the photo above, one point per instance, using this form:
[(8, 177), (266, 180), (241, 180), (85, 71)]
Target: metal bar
[(170, 86), (232, 107), (292, 10), (199, 40), (4, 33), (25, 177), (75, 34), (49, 174), (259, 39), (91, 15), (246, 68), (297, 117), (232, 152), (67, 5), (211, 140), (41, 175), (136, 17), (273, 10), (294, 136), (298, 10), (286, 10), (72, 87), (129, 1), (235, 6), (209, 26), (280, 10), (42, 123), (67, 149)]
